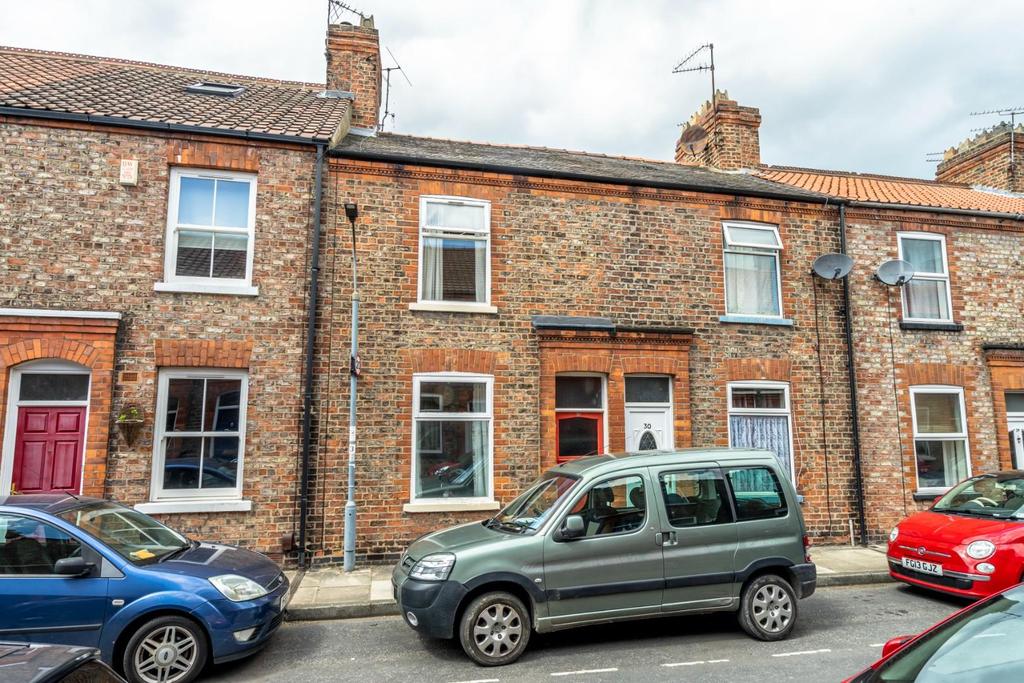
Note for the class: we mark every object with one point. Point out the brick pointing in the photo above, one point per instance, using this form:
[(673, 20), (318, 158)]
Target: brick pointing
[(72, 238)]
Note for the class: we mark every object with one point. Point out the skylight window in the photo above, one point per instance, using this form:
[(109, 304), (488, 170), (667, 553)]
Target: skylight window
[(210, 88)]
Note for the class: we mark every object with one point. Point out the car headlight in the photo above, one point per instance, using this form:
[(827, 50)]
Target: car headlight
[(237, 588), (894, 534), (979, 550), (435, 567)]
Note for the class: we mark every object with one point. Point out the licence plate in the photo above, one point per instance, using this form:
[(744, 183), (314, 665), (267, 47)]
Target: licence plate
[(923, 567)]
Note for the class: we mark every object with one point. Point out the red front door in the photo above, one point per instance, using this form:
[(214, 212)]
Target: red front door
[(48, 449)]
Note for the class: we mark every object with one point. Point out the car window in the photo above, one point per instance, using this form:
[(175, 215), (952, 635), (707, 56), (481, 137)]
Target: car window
[(613, 506), (758, 493), (978, 645), (695, 498), (28, 546)]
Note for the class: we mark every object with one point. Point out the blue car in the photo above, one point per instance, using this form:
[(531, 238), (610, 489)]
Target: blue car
[(85, 571)]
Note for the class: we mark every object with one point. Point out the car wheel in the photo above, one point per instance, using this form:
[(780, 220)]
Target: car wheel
[(165, 650), (768, 608), (495, 629)]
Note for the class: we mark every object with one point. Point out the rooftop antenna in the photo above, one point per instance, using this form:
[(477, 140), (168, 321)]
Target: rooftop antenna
[(1013, 113), (686, 65), (387, 88), (336, 10), (934, 157)]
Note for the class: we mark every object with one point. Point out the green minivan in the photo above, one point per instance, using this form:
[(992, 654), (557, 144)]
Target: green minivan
[(616, 537)]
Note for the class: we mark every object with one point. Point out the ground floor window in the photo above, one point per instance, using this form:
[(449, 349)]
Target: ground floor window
[(759, 417), (941, 451), (453, 421), (580, 414), (200, 434)]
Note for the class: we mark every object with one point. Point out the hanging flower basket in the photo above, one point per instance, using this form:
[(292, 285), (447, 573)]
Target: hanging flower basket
[(129, 423)]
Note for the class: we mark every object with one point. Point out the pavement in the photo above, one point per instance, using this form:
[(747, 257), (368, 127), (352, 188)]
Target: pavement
[(839, 631), (331, 593)]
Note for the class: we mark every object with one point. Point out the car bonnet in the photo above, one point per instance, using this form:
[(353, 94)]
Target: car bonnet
[(212, 559)]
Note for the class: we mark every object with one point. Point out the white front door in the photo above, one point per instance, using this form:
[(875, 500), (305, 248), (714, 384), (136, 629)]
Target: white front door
[(1016, 425), (648, 428)]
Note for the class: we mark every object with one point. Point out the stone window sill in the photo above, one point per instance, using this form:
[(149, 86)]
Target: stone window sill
[(756, 320), (452, 307), (452, 506), (195, 288), (931, 327), (185, 506)]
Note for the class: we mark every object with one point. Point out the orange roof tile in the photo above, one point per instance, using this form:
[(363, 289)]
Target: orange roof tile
[(895, 190)]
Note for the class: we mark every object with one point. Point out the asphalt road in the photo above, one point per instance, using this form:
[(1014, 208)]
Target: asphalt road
[(840, 631)]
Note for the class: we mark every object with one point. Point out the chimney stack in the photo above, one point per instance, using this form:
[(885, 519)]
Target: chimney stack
[(733, 141), (987, 160), (353, 65)]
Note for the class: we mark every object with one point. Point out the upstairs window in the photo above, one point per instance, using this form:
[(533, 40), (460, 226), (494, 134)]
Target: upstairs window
[(926, 297), (752, 283), (210, 226), (455, 246), (941, 446)]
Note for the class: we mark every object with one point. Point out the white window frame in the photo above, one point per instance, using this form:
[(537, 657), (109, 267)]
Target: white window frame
[(157, 492), (604, 403), (785, 410), (454, 233), (934, 277), (431, 416), (731, 246), (952, 436), (209, 285)]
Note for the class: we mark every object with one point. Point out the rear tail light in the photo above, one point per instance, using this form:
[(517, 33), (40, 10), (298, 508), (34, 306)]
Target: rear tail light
[(807, 548)]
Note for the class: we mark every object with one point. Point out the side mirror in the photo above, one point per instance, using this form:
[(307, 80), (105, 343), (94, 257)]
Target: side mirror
[(573, 527), (73, 566), (894, 644)]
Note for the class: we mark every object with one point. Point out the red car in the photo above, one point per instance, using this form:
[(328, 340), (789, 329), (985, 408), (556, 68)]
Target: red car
[(969, 543), (979, 643)]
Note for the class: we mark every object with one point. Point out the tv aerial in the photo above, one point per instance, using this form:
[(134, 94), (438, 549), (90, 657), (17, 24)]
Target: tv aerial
[(336, 10), (895, 273), (687, 65), (832, 266), (387, 88), (1013, 113)]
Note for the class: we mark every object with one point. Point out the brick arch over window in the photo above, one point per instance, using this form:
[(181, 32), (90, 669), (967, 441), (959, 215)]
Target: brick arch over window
[(41, 348), (762, 369)]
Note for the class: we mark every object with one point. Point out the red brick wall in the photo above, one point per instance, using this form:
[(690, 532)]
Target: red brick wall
[(641, 257), (985, 160), (987, 301), (733, 139), (353, 65), (73, 238)]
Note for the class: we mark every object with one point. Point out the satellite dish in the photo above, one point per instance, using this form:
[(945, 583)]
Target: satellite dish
[(895, 273), (832, 266), (694, 139)]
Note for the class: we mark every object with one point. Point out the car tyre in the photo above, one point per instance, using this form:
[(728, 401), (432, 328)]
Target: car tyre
[(495, 629), (165, 650), (768, 608)]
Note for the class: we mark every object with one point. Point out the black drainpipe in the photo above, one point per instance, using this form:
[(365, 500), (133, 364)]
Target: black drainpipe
[(858, 483), (307, 399)]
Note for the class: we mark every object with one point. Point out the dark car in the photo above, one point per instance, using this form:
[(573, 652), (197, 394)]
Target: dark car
[(25, 663), (980, 643), (160, 607)]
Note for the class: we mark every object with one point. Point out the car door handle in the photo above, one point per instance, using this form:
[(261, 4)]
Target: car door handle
[(665, 538)]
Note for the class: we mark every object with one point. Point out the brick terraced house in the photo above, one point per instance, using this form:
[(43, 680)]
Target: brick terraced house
[(162, 234), (154, 245)]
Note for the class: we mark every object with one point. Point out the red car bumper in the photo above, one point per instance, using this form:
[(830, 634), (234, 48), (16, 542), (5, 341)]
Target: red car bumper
[(963, 584)]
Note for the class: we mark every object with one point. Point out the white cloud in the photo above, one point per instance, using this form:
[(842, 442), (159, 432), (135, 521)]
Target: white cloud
[(869, 86)]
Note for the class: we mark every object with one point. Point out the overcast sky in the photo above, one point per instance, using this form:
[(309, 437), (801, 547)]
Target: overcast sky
[(863, 86)]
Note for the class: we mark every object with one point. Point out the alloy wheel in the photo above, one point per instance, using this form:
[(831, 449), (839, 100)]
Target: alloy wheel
[(166, 655), (497, 630), (772, 608)]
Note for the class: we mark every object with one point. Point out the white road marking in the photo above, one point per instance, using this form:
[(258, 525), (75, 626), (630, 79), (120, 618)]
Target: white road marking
[(877, 645), (802, 652), (585, 671), (699, 661)]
